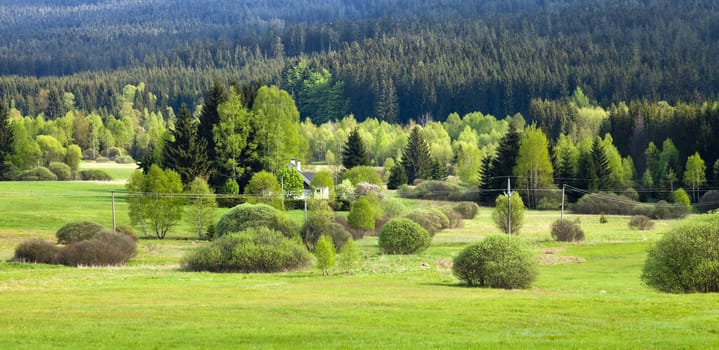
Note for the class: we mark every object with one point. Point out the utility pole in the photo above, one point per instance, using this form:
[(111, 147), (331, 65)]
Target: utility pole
[(509, 206), (114, 226), (561, 214)]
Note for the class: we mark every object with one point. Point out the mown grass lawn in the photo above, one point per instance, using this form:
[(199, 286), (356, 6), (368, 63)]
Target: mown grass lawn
[(588, 295)]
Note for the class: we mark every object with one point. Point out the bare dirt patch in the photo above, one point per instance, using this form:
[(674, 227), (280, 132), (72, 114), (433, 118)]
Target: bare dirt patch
[(550, 257)]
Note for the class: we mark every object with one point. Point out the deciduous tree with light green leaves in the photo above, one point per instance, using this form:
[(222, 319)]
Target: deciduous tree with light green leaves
[(230, 136), (695, 174), (154, 199), (264, 188), (325, 253), (534, 167), (200, 213), (277, 127), (509, 216)]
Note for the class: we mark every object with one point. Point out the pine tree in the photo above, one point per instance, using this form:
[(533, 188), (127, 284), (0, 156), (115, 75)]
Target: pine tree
[(439, 171), (354, 152), (6, 141), (186, 153), (417, 157), (485, 182), (209, 117)]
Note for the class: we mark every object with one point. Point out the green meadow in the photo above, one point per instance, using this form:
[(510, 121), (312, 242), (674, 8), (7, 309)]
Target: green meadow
[(588, 295)]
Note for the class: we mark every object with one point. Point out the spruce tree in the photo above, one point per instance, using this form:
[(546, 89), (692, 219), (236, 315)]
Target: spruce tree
[(186, 153), (209, 117), (397, 177), (439, 171), (504, 160), (6, 141), (354, 152), (417, 157), (485, 183), (601, 165)]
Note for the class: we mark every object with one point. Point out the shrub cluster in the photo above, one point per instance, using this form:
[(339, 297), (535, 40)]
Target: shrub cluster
[(403, 236), (37, 174), (103, 249), (686, 259), (94, 175), (567, 231), (498, 261), (366, 188), (393, 207), (432, 190), (604, 202), (468, 210), (248, 215), (253, 250), (455, 218), (641, 222), (433, 220), (77, 231)]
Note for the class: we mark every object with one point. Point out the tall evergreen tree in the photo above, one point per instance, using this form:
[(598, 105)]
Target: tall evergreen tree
[(485, 171), (504, 160), (397, 177), (354, 152), (6, 141), (209, 117), (417, 157), (186, 153), (54, 106), (601, 165)]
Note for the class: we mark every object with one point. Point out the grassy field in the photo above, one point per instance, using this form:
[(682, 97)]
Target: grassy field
[(588, 295)]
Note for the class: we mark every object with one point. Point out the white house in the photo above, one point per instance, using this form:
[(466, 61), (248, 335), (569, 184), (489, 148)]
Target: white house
[(320, 192)]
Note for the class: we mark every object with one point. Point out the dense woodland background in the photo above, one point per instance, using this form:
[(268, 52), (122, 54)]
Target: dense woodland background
[(108, 75)]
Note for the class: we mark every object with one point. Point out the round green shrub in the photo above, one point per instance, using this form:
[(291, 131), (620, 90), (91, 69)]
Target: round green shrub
[(363, 174), (641, 222), (432, 220), (663, 210), (362, 215), (253, 250), (61, 170), (468, 210), (403, 236), (37, 251), (106, 249), (124, 159), (567, 231), (498, 261), (455, 218), (708, 202), (686, 259), (605, 202), (77, 231), (248, 215)]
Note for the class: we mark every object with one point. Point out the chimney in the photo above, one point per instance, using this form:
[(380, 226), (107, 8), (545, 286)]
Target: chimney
[(292, 162), (299, 166)]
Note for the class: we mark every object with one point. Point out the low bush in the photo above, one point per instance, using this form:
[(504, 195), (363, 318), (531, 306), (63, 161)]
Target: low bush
[(124, 159), (248, 215), (61, 170), (567, 231), (641, 223), (432, 190), (662, 210), (393, 207), (603, 219), (607, 203), (37, 174), (360, 174), (127, 230), (341, 220), (432, 220), (403, 236), (455, 219), (366, 188), (362, 215), (708, 202), (468, 210), (253, 250), (94, 175), (643, 209), (37, 251), (77, 231), (631, 194), (105, 249), (686, 259), (498, 261)]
